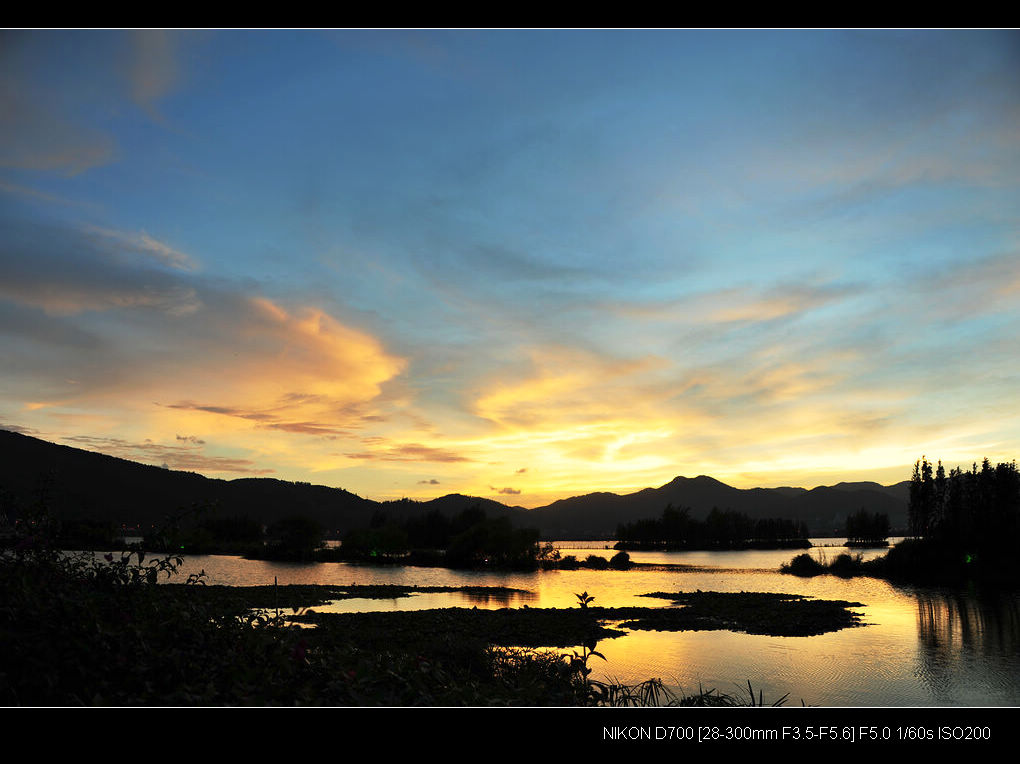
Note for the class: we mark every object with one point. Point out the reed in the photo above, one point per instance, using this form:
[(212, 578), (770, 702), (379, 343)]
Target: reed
[(655, 693)]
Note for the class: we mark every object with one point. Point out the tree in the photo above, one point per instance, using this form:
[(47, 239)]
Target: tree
[(864, 527), (296, 536), (921, 511)]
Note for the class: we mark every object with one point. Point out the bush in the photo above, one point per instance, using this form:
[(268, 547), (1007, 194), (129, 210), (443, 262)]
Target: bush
[(620, 561), (846, 565), (803, 565)]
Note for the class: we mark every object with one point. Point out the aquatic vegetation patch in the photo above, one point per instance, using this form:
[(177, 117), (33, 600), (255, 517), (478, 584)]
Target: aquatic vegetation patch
[(779, 615), (748, 612), (517, 627)]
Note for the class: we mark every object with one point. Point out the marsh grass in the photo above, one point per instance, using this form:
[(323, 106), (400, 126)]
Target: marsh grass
[(655, 693)]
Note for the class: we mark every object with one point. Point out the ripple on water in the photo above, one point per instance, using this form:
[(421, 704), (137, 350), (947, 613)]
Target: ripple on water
[(921, 647)]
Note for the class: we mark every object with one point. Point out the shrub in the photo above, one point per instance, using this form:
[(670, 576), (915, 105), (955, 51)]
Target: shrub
[(846, 565), (803, 565), (620, 561)]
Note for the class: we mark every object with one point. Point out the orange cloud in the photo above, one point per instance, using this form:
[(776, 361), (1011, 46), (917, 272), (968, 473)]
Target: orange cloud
[(300, 372), (569, 385)]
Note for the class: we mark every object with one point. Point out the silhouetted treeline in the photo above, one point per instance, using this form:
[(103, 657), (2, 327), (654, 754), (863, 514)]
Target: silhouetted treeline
[(467, 539), (965, 526), (205, 529), (978, 507), (676, 529), (865, 527)]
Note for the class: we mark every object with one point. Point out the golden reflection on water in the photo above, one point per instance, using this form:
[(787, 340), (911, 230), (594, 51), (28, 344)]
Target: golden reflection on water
[(919, 647)]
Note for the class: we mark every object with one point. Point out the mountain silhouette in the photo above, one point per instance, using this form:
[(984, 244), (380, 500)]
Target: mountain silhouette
[(77, 484)]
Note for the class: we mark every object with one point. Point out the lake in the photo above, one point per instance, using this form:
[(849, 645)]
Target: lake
[(921, 646)]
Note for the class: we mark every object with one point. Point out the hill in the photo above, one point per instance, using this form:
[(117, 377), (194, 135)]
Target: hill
[(74, 483), (823, 509)]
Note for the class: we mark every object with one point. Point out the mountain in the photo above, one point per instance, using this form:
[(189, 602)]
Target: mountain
[(823, 509), (74, 483), (450, 505)]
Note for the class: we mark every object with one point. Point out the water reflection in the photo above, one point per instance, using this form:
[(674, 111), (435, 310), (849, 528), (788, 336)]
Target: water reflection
[(965, 645), (920, 647), (498, 598)]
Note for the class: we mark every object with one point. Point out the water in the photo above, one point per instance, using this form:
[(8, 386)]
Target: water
[(920, 647)]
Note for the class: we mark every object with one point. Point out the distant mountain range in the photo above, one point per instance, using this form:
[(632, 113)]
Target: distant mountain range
[(75, 483)]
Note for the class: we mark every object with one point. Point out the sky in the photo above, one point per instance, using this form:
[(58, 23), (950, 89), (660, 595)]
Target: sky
[(522, 265)]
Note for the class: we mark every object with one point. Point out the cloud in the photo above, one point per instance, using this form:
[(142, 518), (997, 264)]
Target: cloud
[(67, 271), (155, 70), (784, 301), (18, 429), (40, 127), (127, 318), (596, 422), (508, 491), (32, 193), (974, 285), (566, 384), (52, 83), (174, 457), (146, 246), (299, 372), (737, 304), (410, 452), (521, 471), (433, 481), (267, 419), (35, 137), (256, 416)]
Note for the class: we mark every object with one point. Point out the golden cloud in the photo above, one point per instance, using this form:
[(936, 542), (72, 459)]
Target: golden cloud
[(298, 371)]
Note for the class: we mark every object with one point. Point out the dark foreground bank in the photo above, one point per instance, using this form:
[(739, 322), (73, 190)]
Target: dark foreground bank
[(82, 629)]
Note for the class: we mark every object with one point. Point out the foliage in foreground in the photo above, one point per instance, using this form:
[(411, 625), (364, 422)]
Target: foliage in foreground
[(86, 629)]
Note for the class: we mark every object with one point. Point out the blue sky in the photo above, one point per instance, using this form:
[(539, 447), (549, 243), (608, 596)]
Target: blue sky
[(519, 264)]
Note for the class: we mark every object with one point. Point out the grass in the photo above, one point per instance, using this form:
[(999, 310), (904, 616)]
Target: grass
[(655, 693)]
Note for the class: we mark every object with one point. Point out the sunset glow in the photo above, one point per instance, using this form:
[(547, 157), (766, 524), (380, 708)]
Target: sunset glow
[(523, 265)]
